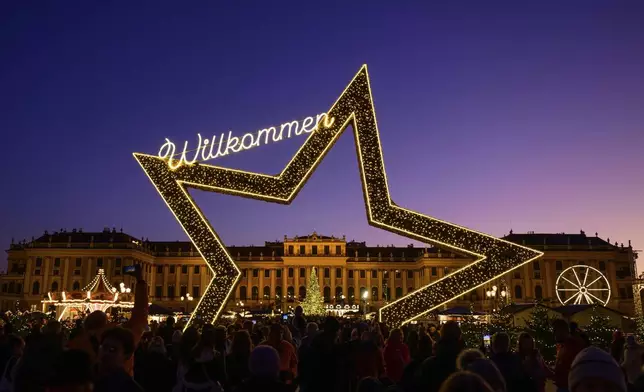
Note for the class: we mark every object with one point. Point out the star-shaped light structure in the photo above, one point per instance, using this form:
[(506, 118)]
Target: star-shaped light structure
[(493, 257)]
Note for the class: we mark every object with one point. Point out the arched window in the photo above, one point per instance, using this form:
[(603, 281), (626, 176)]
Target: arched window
[(338, 293), (302, 292), (12, 287), (278, 292), (76, 286), (290, 293), (518, 294), (536, 266), (18, 288), (602, 266), (538, 292), (327, 294), (35, 288), (267, 292), (363, 291), (54, 286), (386, 295), (398, 292), (254, 293), (243, 295), (374, 293), (351, 294)]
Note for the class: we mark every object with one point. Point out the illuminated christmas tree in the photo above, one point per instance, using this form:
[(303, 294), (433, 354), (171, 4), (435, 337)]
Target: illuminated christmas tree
[(599, 330), (313, 304), (540, 327)]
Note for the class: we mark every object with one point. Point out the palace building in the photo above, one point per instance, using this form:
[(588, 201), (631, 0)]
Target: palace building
[(275, 274)]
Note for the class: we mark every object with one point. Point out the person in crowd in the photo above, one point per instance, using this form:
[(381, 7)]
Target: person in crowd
[(15, 347), (490, 373), (412, 343), (325, 366), (433, 333), (286, 350), (569, 347), (311, 331), (264, 366), (167, 329), (533, 364), (617, 346), (237, 361), (183, 351), (367, 358), (72, 372), (220, 340), (396, 355), (632, 363), (115, 352), (595, 370), (509, 363), (299, 322), (468, 356), (371, 384), (576, 331), (435, 370), (465, 381), (155, 371)]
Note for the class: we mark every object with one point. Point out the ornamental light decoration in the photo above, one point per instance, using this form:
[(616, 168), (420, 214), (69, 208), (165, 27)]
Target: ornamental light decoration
[(494, 257)]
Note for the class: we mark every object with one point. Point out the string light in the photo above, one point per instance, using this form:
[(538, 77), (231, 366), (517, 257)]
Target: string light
[(493, 257)]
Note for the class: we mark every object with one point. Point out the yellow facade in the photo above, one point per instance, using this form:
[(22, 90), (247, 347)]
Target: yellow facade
[(275, 275)]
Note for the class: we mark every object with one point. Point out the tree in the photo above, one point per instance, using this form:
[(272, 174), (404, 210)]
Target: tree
[(472, 331), (313, 304), (599, 330), (501, 321), (540, 327)]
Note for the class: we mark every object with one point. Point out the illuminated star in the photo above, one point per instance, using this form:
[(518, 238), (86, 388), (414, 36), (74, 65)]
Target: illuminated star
[(493, 257)]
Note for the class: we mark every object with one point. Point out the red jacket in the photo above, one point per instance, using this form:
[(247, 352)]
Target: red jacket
[(567, 352), (396, 358)]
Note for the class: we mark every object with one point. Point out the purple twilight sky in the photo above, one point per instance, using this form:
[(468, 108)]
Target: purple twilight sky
[(495, 116)]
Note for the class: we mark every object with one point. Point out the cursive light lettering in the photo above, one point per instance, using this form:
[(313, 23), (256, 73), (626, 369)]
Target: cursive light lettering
[(208, 149)]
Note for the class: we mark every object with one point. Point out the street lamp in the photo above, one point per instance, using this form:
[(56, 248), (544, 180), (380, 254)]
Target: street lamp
[(187, 298), (365, 295)]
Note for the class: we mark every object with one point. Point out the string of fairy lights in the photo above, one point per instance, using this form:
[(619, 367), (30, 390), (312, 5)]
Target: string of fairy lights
[(494, 257)]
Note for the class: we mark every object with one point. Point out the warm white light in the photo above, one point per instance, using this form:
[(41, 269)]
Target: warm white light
[(503, 293), (494, 288), (182, 298), (365, 295)]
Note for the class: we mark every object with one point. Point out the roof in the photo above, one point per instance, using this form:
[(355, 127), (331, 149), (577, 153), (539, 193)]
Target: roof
[(570, 310), (460, 310), (574, 241), (516, 308)]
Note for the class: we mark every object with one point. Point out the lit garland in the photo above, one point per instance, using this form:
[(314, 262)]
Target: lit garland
[(494, 257), (637, 300), (100, 277)]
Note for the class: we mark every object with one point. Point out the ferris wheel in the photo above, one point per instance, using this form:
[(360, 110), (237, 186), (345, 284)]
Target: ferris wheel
[(582, 284)]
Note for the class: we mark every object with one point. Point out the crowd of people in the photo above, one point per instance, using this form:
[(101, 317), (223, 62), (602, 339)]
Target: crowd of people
[(309, 355)]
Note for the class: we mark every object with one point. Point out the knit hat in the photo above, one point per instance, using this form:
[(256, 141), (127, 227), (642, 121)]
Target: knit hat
[(264, 362), (595, 363)]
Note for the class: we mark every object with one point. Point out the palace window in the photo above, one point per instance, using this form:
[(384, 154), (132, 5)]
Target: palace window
[(622, 292), (159, 269), (536, 266), (398, 274), (302, 272), (558, 265), (158, 291), (399, 292), (4, 287), (79, 261), (196, 271), (18, 288), (76, 286), (57, 262), (278, 273), (326, 250), (99, 262), (386, 292), (350, 274), (172, 269), (54, 286), (338, 250), (327, 294), (184, 269), (195, 292), (290, 272), (434, 271), (242, 293), (374, 293), (363, 274), (338, 272), (538, 292), (374, 274), (290, 250), (363, 291), (183, 291), (314, 250), (290, 293), (118, 261), (410, 274), (278, 291), (351, 292), (56, 272), (267, 292), (171, 292), (302, 293), (302, 250), (38, 261), (254, 293), (518, 292), (327, 273), (37, 272), (267, 273), (602, 266), (255, 273)]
